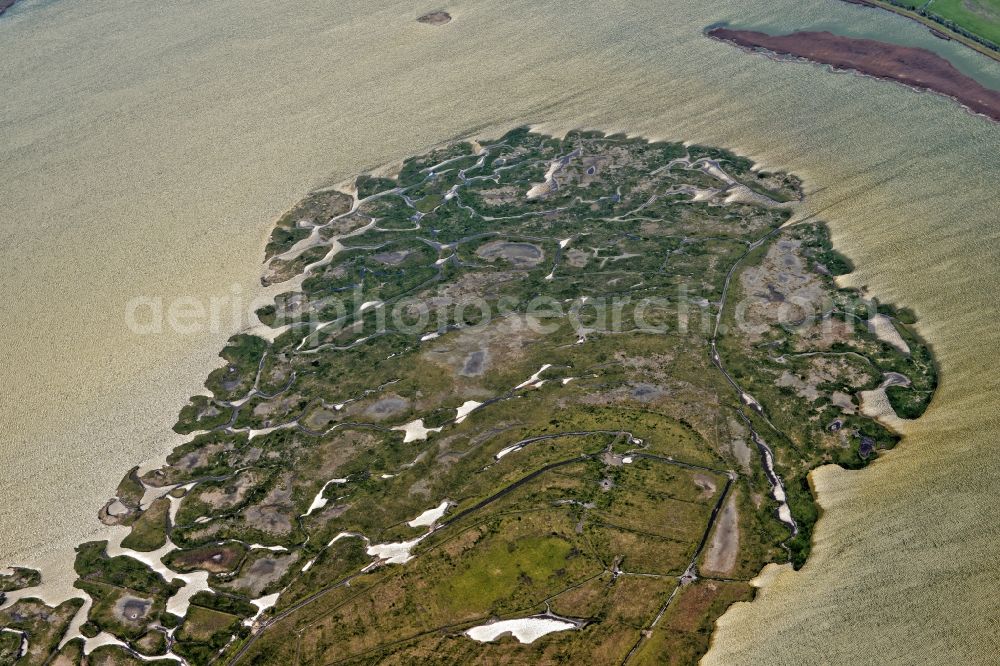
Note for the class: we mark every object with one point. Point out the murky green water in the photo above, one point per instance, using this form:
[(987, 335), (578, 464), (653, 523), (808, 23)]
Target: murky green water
[(145, 149)]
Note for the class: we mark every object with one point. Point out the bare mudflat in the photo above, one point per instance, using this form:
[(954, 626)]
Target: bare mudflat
[(914, 67)]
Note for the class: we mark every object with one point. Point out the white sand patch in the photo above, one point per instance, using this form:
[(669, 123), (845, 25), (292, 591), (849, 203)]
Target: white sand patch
[(193, 582), (276, 549), (152, 493), (844, 401), (73, 630), (262, 604), (175, 505), (564, 242), (543, 188), (714, 171), (894, 379), (319, 501), (885, 331), (751, 401), (525, 630), (265, 431), (400, 552), (103, 638), (743, 194), (465, 409), (346, 535), (429, 336), (394, 553), (627, 459), (509, 449), (314, 238), (778, 492), (116, 508), (875, 405), (368, 305), (269, 334), (567, 380), (415, 431), (533, 379), (430, 516), (323, 324)]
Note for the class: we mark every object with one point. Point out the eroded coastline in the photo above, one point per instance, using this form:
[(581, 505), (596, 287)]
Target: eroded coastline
[(911, 66), (324, 451)]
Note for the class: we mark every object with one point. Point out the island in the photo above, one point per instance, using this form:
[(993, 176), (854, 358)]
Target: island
[(435, 18), (914, 67), (529, 400)]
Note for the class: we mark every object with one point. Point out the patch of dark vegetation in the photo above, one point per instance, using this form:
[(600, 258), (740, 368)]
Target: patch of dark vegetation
[(44, 625), (296, 224), (149, 531), (825, 259), (18, 579), (435, 18), (369, 185), (94, 566)]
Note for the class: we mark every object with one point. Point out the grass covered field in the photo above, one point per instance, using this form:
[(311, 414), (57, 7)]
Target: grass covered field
[(981, 17), (975, 23)]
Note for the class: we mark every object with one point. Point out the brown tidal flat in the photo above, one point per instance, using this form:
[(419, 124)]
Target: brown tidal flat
[(914, 67)]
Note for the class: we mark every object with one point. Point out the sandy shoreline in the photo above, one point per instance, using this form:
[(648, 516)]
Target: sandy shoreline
[(914, 67)]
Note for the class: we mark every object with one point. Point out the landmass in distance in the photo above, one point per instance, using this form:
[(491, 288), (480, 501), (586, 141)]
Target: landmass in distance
[(915, 67), (435, 18)]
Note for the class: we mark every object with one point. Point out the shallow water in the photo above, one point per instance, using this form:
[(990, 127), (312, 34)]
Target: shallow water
[(146, 149)]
